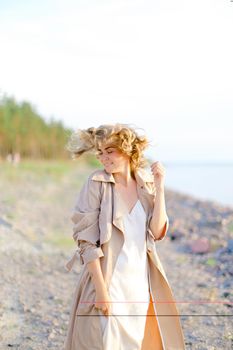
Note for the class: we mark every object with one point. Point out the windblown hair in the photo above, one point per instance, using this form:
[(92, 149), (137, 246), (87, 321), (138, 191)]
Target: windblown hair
[(121, 136)]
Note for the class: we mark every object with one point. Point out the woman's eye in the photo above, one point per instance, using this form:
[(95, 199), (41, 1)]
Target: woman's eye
[(100, 153)]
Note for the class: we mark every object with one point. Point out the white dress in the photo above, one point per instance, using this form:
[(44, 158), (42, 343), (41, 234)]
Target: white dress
[(129, 288)]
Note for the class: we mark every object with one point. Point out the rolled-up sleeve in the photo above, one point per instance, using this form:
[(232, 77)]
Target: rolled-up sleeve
[(89, 251), (85, 217)]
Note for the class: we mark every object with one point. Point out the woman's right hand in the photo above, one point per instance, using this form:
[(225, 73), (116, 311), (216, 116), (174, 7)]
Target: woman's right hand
[(103, 301)]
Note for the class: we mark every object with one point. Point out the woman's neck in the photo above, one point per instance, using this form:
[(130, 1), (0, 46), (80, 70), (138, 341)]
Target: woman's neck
[(124, 178)]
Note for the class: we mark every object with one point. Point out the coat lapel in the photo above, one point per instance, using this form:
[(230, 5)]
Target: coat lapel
[(118, 207)]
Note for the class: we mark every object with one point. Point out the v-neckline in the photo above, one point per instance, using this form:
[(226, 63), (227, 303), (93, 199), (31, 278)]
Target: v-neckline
[(129, 213), (122, 200)]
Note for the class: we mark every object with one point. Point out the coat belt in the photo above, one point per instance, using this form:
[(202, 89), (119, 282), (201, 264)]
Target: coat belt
[(76, 257)]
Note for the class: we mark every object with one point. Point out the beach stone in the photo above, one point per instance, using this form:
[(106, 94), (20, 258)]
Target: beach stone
[(214, 223), (176, 234), (228, 284), (230, 245), (215, 244), (200, 245), (5, 223), (219, 252), (202, 285)]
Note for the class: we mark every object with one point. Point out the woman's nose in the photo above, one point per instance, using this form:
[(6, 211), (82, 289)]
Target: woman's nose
[(104, 157)]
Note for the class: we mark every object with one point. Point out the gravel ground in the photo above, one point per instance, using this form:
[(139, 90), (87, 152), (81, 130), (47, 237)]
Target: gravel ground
[(36, 241)]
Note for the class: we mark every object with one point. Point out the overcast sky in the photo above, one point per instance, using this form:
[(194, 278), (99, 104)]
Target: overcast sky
[(164, 66)]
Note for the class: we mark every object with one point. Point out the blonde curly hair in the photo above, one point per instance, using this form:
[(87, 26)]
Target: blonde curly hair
[(121, 136)]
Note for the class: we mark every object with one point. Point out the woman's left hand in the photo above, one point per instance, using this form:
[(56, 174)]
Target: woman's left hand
[(158, 172)]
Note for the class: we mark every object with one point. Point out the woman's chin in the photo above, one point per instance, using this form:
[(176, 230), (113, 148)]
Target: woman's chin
[(109, 170)]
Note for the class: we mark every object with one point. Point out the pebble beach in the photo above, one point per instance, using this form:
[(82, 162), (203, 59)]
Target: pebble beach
[(36, 242)]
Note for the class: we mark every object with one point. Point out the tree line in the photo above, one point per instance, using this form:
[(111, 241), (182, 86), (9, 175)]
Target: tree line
[(24, 131)]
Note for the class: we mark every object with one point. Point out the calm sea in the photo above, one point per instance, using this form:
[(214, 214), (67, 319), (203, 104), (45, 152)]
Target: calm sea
[(205, 181)]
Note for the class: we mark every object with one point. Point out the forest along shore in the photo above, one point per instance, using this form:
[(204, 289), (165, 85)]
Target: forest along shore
[(36, 242)]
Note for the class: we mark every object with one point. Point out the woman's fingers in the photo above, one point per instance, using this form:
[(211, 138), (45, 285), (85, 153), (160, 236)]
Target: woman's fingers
[(107, 313), (105, 309), (103, 302)]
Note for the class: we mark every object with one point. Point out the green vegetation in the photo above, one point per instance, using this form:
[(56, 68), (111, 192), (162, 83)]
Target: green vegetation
[(43, 170), (40, 169), (60, 240), (211, 262), (40, 144), (24, 131), (230, 227)]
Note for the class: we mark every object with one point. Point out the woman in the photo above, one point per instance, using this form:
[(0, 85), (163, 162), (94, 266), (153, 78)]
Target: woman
[(118, 217)]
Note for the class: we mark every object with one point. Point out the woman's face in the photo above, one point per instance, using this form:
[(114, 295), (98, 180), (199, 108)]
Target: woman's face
[(112, 159)]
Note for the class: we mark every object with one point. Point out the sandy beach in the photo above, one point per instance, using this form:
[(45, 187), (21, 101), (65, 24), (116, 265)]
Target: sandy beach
[(36, 241)]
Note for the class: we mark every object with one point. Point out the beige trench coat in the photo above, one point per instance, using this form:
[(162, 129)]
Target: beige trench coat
[(99, 233)]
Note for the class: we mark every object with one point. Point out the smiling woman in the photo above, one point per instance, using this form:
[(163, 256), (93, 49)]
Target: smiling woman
[(103, 155), (109, 138), (119, 214)]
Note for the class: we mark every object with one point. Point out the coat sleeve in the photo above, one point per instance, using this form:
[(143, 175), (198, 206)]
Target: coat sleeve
[(152, 190), (85, 218)]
